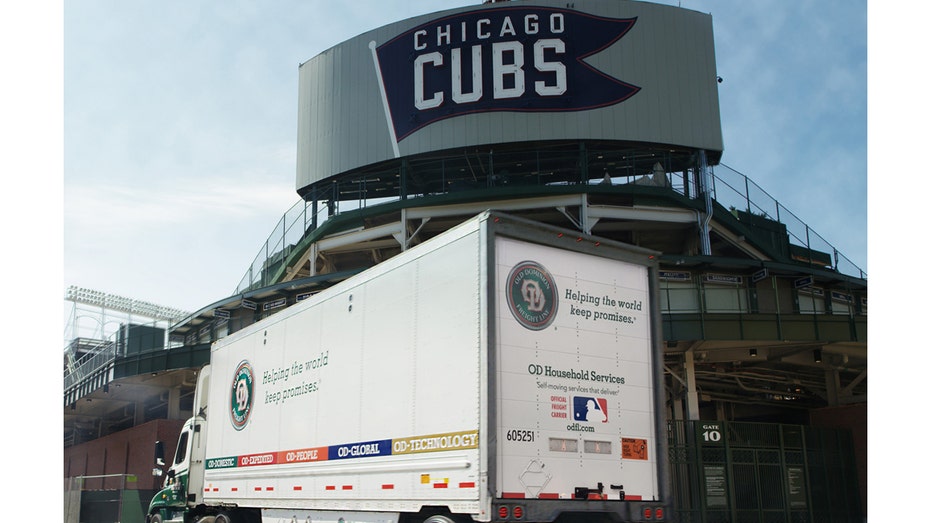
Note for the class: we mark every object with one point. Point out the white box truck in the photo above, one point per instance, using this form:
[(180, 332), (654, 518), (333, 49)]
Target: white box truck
[(502, 371)]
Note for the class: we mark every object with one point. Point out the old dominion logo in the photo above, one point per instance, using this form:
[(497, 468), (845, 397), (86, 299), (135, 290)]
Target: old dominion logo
[(241, 394), (532, 296)]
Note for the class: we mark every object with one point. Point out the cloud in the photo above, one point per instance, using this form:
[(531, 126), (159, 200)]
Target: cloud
[(184, 245), (131, 209)]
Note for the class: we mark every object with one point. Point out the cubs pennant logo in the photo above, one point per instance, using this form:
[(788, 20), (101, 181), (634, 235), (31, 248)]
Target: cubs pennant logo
[(526, 59)]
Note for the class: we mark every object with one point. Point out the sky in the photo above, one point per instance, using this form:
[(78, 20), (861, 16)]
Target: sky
[(180, 126)]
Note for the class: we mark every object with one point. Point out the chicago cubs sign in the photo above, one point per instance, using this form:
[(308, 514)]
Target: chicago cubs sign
[(522, 72), (507, 59)]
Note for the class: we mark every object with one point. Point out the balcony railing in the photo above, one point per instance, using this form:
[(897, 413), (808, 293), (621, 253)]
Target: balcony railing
[(731, 189)]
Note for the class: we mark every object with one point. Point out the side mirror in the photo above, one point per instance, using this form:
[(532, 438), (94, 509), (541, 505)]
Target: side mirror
[(159, 454)]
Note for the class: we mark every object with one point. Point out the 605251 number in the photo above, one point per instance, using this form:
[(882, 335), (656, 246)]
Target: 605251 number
[(520, 435)]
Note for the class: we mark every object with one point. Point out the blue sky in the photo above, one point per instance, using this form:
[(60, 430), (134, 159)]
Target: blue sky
[(180, 126)]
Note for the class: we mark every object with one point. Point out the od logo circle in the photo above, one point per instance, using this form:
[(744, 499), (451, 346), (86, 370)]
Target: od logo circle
[(241, 394), (532, 295)]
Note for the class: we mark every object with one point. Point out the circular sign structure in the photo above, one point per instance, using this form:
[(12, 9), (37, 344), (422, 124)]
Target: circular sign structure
[(532, 295), (506, 73)]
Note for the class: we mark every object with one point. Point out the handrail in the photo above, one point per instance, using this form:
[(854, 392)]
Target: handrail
[(754, 199), (90, 365), (730, 188), (97, 354)]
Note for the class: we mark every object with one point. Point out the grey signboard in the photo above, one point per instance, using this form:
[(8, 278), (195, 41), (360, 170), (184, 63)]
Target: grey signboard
[(509, 72)]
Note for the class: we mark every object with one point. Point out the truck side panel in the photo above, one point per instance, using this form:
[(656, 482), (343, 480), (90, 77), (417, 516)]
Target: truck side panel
[(365, 397), (574, 375)]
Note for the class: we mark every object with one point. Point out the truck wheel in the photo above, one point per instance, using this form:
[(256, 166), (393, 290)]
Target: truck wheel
[(239, 516), (155, 518), (439, 519)]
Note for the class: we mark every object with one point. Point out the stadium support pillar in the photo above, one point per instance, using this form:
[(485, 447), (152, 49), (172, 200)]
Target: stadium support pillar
[(174, 403), (705, 225), (402, 187), (691, 390), (833, 387), (139, 415), (402, 237), (677, 411)]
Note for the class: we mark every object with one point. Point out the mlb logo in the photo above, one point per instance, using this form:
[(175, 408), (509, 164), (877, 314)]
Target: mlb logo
[(589, 409)]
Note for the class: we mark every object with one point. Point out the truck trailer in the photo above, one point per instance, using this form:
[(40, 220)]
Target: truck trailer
[(502, 371)]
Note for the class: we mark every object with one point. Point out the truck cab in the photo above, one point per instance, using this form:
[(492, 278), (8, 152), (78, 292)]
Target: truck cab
[(182, 489)]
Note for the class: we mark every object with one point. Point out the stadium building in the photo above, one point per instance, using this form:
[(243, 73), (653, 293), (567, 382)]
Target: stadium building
[(555, 113)]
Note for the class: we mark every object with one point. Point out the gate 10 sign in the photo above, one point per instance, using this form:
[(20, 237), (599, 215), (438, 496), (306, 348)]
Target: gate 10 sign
[(710, 433)]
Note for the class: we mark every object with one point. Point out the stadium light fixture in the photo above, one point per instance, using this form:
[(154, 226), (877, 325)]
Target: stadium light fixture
[(118, 303)]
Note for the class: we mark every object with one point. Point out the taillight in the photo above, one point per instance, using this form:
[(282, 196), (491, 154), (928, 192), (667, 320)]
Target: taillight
[(653, 513), (510, 512)]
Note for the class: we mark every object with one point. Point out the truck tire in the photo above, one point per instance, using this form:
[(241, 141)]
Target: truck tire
[(439, 519), (154, 518), (239, 516)]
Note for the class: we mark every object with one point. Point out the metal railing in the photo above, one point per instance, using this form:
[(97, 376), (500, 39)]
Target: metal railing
[(731, 189), (289, 230), (89, 364), (85, 357)]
